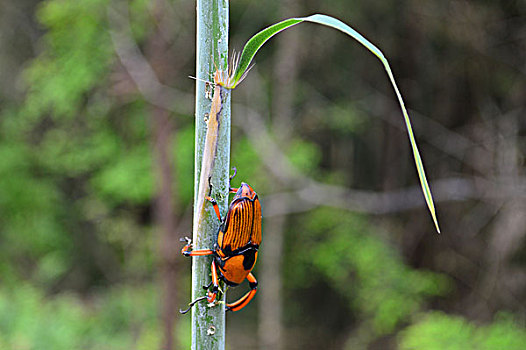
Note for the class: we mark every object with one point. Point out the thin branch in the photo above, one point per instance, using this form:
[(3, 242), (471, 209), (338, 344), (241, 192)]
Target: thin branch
[(316, 194), (135, 63), (443, 139), (309, 194)]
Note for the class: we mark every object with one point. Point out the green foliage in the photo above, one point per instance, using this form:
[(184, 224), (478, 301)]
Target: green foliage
[(344, 248), (77, 58), (78, 172), (343, 120), (140, 16), (121, 318), (246, 160), (304, 156), (72, 155), (30, 222), (129, 178), (437, 331), (78, 54)]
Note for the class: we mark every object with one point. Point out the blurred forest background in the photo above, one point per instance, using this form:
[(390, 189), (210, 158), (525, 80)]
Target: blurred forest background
[(96, 175)]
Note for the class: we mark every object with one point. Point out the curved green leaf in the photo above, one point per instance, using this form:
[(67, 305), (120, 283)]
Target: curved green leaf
[(255, 43)]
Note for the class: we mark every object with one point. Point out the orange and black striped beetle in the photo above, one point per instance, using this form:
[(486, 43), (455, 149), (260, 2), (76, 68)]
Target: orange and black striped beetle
[(236, 249)]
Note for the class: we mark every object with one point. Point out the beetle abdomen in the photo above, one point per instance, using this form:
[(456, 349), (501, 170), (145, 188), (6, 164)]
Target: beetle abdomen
[(235, 269)]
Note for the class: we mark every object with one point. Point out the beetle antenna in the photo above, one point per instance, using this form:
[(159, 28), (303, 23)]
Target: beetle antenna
[(235, 172), (230, 189)]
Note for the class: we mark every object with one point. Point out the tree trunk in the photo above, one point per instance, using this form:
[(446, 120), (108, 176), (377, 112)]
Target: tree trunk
[(270, 328), (165, 221)]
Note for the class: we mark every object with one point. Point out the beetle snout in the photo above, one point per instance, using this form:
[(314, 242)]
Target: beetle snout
[(245, 191)]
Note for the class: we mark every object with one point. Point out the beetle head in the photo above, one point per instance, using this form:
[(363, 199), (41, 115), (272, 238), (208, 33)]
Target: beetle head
[(245, 191)]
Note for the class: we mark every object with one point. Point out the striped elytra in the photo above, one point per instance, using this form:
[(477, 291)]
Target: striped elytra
[(242, 226)]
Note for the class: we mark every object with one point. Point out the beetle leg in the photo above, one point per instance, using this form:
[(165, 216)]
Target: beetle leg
[(241, 303), (187, 249), (216, 207), (215, 282), (210, 186), (185, 239), (192, 304), (201, 252), (208, 285), (211, 295), (212, 200)]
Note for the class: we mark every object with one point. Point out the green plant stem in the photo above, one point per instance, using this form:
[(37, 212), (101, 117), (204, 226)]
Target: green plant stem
[(208, 323)]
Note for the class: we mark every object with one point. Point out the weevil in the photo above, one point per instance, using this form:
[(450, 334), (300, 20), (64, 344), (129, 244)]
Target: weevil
[(236, 250)]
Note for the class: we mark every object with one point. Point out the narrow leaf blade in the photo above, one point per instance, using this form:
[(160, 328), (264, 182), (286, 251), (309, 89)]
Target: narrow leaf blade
[(255, 43)]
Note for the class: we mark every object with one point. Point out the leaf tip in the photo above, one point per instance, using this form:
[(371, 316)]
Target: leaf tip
[(436, 223)]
